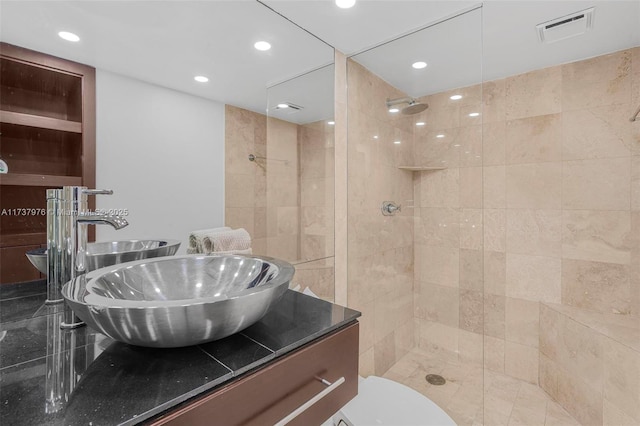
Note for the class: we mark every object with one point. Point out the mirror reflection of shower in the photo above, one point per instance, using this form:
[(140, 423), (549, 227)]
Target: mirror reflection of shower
[(413, 106)]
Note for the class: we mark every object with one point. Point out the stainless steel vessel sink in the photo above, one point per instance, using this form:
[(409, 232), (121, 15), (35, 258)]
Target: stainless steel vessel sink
[(38, 258), (178, 301), (100, 255)]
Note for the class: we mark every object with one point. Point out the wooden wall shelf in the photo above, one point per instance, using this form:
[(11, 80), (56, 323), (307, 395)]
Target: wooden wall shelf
[(41, 122), (22, 239), (47, 121), (39, 180)]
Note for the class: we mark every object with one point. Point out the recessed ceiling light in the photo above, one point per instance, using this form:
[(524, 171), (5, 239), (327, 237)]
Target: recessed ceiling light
[(200, 78), (440, 136), (375, 137), (68, 36), (397, 142), (394, 109), (420, 123), (456, 145), (474, 114), (331, 123), (262, 45), (419, 65), (282, 106), (345, 4), (455, 97)]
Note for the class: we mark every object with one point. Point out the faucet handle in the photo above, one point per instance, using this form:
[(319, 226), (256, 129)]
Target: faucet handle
[(389, 208), (97, 191)]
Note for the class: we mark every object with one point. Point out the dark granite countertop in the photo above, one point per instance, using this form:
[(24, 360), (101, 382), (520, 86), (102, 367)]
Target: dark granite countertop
[(82, 377)]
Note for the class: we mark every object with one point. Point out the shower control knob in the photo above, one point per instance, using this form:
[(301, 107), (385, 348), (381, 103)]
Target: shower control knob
[(389, 208)]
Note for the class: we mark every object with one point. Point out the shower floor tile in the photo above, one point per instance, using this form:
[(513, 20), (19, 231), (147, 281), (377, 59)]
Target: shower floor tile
[(507, 401)]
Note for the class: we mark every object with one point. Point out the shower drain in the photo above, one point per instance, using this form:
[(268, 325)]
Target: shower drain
[(435, 379)]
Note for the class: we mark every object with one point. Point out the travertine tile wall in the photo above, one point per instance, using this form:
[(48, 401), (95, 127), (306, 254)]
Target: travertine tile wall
[(544, 208), (590, 363), (245, 182), (380, 248), (265, 203), (340, 96), (316, 147), (319, 276), (635, 185), (283, 190), (448, 227), (590, 357), (286, 203)]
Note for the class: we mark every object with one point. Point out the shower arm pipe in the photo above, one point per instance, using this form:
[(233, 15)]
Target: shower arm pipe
[(392, 102), (253, 157), (634, 117)]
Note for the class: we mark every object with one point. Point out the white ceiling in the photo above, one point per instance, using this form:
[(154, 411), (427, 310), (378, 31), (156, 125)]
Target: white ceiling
[(459, 53), (312, 91), (368, 23), (459, 64), (168, 42), (511, 44)]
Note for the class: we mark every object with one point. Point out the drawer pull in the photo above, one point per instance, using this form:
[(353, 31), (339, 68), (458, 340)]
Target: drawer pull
[(304, 407)]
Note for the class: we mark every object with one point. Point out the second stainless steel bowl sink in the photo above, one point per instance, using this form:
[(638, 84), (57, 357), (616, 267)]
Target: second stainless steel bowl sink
[(178, 301), (100, 255)]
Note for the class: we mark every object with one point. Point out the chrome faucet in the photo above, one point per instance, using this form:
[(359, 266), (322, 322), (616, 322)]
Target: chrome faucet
[(67, 218), (80, 261)]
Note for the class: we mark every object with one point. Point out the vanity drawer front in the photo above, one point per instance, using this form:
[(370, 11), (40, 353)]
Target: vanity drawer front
[(268, 395)]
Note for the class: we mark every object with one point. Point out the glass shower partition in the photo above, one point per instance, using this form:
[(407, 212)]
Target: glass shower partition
[(415, 212)]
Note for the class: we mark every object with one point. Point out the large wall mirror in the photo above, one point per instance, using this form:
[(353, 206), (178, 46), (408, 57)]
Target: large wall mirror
[(174, 150), (280, 170)]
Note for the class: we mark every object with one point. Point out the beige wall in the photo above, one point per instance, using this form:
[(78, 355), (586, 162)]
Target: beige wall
[(341, 188), (282, 190), (543, 208), (316, 147), (448, 226), (380, 248), (286, 203), (262, 196), (245, 182), (319, 276), (317, 202), (539, 202), (590, 363)]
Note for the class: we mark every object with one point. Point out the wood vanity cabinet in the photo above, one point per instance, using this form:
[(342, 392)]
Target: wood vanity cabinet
[(268, 395), (47, 139)]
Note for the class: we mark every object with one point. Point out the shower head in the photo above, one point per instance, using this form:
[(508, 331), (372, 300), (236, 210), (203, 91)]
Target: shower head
[(413, 106)]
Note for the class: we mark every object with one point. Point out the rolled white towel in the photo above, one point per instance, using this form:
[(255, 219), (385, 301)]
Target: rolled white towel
[(246, 252), (196, 237), (236, 239)]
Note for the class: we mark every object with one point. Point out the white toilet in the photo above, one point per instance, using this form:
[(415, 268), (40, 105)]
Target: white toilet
[(385, 402)]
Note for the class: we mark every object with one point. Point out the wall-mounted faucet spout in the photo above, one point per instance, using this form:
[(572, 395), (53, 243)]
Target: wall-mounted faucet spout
[(115, 221)]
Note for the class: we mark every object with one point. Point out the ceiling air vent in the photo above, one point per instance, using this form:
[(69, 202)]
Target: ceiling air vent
[(566, 27), (290, 106)]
